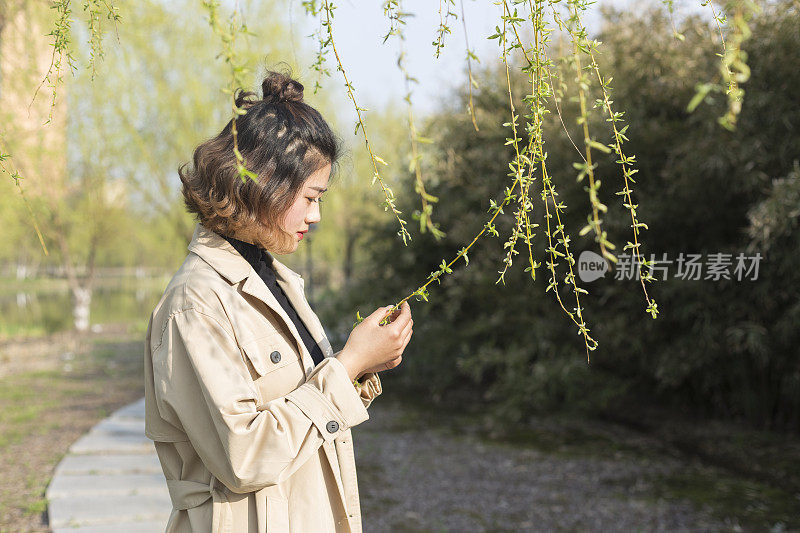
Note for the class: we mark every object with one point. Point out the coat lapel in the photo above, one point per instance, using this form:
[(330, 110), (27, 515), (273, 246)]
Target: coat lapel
[(224, 258)]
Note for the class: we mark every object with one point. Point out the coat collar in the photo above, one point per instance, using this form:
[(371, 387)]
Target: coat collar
[(218, 252)]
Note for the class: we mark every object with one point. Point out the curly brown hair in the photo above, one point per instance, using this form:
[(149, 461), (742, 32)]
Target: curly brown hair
[(283, 140)]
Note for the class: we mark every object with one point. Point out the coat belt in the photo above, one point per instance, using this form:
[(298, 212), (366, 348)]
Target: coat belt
[(187, 494)]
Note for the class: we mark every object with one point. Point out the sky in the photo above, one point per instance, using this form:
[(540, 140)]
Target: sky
[(359, 27)]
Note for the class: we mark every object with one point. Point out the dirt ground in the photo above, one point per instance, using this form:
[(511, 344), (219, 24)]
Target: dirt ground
[(52, 390)]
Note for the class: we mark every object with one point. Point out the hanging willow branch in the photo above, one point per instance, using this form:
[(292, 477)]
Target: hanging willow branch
[(445, 13), (536, 70), (61, 43), (733, 60), (389, 203), (578, 34), (393, 11), (238, 70), (470, 79), (542, 92), (18, 182)]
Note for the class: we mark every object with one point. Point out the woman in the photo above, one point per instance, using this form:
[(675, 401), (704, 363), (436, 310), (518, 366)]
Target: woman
[(249, 408)]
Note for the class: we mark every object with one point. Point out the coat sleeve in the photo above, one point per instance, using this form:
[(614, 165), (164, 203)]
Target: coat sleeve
[(203, 387), (370, 388)]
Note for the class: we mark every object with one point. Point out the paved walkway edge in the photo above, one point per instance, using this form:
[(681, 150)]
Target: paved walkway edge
[(110, 480)]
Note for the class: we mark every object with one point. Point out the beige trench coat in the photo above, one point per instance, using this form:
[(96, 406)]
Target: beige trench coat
[(251, 436)]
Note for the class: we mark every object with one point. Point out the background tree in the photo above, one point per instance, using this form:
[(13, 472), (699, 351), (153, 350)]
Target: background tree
[(724, 348), (107, 191)]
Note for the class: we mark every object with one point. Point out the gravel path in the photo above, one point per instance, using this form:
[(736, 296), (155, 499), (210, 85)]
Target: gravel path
[(425, 479)]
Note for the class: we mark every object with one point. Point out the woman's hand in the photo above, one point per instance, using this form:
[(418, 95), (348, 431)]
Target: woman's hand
[(385, 366), (372, 347)]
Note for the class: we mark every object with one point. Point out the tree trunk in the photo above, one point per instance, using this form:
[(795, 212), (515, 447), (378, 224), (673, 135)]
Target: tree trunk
[(81, 286), (81, 306)]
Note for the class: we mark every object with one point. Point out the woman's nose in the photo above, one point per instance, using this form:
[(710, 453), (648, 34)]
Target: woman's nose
[(313, 216)]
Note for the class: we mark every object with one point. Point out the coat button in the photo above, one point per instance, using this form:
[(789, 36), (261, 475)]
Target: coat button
[(275, 356), (332, 426)]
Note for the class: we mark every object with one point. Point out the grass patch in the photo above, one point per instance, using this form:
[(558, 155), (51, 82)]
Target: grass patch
[(757, 506), (36, 507)]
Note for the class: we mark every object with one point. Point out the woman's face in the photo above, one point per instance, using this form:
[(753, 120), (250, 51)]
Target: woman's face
[(305, 209)]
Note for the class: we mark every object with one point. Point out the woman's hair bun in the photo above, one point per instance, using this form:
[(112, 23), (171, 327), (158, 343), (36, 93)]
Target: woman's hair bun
[(279, 88)]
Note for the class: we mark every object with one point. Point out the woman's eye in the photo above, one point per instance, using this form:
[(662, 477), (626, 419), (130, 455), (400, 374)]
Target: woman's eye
[(318, 200)]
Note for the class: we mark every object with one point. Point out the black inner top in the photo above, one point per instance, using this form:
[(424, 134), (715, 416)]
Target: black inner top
[(262, 264)]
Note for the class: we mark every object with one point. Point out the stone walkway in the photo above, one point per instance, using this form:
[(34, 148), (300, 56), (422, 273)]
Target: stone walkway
[(110, 480)]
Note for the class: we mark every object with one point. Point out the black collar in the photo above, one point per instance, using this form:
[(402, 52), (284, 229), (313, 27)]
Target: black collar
[(252, 253)]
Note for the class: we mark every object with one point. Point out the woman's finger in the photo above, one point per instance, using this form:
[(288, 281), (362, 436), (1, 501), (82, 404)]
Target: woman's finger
[(404, 317), (406, 339), (406, 328), (379, 314), (394, 362)]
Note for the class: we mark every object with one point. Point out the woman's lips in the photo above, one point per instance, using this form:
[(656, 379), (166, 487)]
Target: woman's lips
[(300, 235)]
